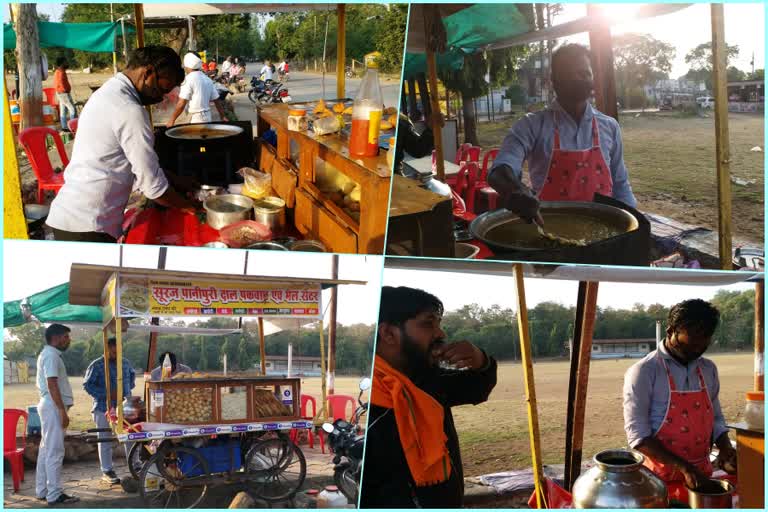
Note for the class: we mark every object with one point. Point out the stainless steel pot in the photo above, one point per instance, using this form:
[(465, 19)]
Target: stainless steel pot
[(217, 214), (134, 409), (270, 211), (308, 246), (267, 246), (713, 494), (619, 480)]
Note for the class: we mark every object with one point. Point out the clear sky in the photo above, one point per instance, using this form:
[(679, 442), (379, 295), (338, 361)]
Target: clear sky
[(685, 29), (457, 290), (33, 266)]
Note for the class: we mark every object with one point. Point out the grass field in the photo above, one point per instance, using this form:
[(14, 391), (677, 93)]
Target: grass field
[(671, 163), (20, 396), (494, 435)]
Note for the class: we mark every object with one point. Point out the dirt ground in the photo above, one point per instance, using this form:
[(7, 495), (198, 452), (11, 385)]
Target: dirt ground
[(19, 396), (494, 435), (671, 163)]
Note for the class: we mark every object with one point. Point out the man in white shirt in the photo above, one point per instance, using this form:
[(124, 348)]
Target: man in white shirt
[(226, 65), (196, 94), (268, 71), (55, 400), (114, 152)]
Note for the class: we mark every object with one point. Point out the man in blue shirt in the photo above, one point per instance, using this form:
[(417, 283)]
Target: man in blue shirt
[(95, 385), (573, 151)]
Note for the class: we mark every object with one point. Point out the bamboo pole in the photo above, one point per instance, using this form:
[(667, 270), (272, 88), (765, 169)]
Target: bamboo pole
[(759, 335), (14, 222), (585, 356), (572, 378), (138, 10), (262, 347), (341, 50), (119, 364), (323, 413), (530, 388), (437, 129), (722, 148)]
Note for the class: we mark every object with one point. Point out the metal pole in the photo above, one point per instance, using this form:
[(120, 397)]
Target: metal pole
[(759, 335), (723, 151), (530, 388), (341, 50), (114, 53), (332, 326), (161, 257), (572, 380)]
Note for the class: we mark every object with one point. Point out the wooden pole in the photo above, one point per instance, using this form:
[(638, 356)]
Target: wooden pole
[(138, 10), (323, 413), (152, 353), (14, 222), (601, 48), (722, 143), (262, 347), (119, 364), (332, 327), (30, 93), (107, 379), (585, 356), (530, 387), (341, 50), (437, 129), (572, 378), (759, 335)]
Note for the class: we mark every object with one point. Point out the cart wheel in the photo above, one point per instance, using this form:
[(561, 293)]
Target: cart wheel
[(276, 469), (137, 456), (347, 483), (174, 477)]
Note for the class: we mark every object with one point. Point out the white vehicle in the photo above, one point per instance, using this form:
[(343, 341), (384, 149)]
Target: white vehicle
[(705, 101)]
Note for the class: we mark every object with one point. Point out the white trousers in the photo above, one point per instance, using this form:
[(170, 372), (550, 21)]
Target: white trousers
[(201, 117), (50, 456)]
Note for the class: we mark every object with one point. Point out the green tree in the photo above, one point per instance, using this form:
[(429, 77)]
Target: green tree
[(700, 61), (640, 60)]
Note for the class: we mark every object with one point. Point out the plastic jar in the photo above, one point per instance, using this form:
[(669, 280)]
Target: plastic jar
[(297, 120), (331, 497), (754, 411), (391, 152)]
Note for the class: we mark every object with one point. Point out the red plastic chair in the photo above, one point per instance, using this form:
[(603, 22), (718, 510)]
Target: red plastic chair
[(478, 188), (488, 160), (306, 402), (460, 152), (11, 451), (460, 209), (34, 142), (338, 404), (72, 125)]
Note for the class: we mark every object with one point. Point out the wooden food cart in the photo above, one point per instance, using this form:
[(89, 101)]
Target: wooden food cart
[(199, 429)]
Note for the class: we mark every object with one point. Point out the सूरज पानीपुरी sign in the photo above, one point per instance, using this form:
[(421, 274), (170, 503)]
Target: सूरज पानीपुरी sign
[(150, 297)]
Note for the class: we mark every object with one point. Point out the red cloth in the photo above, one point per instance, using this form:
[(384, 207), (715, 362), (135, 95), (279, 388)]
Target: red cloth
[(577, 175), (60, 81)]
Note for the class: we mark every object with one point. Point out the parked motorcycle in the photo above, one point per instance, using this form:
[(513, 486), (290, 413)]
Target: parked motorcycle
[(347, 441), (268, 92)]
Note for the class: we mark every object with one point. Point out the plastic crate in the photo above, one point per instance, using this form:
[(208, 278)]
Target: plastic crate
[(221, 458)]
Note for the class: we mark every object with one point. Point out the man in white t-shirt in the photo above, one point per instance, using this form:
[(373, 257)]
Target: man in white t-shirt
[(196, 94), (268, 71)]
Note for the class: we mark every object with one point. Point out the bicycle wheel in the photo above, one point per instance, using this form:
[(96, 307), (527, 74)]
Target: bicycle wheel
[(276, 469), (174, 477), (137, 456)]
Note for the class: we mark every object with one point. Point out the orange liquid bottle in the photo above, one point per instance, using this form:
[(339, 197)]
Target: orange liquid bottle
[(366, 113)]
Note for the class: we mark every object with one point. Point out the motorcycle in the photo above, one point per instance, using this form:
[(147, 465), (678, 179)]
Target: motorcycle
[(347, 441), (268, 92)]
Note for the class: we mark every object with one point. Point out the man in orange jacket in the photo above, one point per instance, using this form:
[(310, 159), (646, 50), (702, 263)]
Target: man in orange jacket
[(64, 93)]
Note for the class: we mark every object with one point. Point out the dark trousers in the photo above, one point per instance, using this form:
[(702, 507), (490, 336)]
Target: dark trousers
[(87, 236)]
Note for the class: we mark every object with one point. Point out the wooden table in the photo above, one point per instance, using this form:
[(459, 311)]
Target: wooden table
[(422, 217), (750, 453), (315, 215)]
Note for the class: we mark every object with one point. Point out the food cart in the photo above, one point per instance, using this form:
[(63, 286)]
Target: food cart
[(750, 444), (202, 429)]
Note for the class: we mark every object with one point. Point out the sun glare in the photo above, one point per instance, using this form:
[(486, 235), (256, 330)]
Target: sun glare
[(619, 12)]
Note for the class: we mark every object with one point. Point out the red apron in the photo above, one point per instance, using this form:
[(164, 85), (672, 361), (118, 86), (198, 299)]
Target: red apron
[(686, 429), (576, 175)]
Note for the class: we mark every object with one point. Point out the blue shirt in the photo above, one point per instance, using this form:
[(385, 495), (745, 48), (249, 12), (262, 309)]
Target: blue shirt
[(646, 393), (95, 384), (532, 138)]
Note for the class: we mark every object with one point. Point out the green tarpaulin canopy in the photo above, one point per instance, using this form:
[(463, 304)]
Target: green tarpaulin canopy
[(51, 305), (470, 30), (89, 37)]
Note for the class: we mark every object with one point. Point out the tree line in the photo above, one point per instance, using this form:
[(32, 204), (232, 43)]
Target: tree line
[(354, 346), (276, 36)]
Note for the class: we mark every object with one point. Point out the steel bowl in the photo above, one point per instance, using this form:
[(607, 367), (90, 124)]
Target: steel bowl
[(308, 246), (712, 494), (622, 220), (270, 211), (207, 131), (217, 245), (267, 246), (217, 217)]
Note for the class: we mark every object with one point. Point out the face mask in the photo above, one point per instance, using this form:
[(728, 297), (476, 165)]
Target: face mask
[(574, 91), (150, 95)]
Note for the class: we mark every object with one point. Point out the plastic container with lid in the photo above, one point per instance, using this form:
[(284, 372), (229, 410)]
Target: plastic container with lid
[(367, 111), (754, 411), (297, 120), (331, 497)]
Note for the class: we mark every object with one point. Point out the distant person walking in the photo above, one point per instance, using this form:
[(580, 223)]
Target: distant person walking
[(64, 93)]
